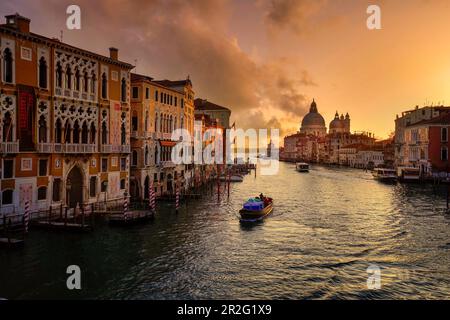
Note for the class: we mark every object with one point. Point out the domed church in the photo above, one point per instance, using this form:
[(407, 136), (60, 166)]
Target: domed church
[(340, 124), (313, 123)]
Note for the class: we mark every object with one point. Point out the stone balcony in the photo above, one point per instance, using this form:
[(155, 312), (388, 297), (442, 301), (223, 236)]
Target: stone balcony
[(109, 148), (167, 164), (44, 147), (9, 147), (73, 148)]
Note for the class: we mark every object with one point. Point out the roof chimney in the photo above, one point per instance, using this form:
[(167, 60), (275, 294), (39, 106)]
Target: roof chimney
[(114, 53), (19, 22)]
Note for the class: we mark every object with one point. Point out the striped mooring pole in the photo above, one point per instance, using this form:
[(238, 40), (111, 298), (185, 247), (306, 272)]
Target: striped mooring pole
[(125, 206), (152, 197), (177, 199), (26, 215)]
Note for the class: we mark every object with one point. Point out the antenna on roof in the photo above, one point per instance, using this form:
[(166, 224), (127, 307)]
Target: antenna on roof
[(61, 35), (135, 65)]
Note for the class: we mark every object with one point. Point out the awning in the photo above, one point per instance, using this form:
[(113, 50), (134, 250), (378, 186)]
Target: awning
[(167, 143)]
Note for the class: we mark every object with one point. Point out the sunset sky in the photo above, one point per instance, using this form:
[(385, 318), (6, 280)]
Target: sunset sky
[(267, 59)]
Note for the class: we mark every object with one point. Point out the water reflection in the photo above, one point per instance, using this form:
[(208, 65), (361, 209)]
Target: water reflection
[(327, 227)]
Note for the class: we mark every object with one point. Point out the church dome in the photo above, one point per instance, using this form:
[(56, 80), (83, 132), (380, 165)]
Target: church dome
[(313, 118), (337, 123)]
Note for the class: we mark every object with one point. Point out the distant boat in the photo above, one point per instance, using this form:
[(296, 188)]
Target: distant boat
[(408, 174), (302, 167), (233, 178), (383, 174)]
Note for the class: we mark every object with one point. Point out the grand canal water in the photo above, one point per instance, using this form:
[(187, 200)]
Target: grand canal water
[(328, 227)]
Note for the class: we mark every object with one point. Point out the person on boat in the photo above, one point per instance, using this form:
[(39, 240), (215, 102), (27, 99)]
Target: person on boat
[(265, 200)]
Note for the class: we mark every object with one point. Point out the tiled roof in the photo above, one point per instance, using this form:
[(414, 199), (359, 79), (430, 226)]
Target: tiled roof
[(202, 104)]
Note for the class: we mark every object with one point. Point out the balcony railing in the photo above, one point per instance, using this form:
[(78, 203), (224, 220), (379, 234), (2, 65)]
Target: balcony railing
[(109, 148), (45, 147), (167, 164), (79, 148), (66, 148), (9, 147), (134, 134)]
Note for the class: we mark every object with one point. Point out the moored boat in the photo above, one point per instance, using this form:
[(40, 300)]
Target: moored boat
[(256, 209), (302, 167), (383, 174), (408, 174)]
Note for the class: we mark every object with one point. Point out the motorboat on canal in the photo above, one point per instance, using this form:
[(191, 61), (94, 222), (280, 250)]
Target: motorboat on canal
[(302, 167), (256, 209), (384, 174)]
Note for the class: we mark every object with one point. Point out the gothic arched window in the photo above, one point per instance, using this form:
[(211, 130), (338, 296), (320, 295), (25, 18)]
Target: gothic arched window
[(68, 78), (104, 133), (58, 131), (76, 132), (59, 75), (104, 86), (93, 133), (77, 80), (84, 133), (42, 73), (134, 158), (42, 130), (93, 83), (124, 90), (7, 128), (123, 134), (7, 66), (85, 82)]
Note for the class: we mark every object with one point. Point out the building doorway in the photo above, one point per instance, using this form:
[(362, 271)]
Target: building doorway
[(74, 188)]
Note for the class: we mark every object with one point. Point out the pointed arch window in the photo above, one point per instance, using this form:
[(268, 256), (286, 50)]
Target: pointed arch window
[(42, 73), (68, 78), (85, 82), (7, 135), (104, 133), (146, 156), (123, 134), (104, 86), (77, 80), (42, 130), (134, 158), (59, 75), (93, 133), (84, 133), (76, 132), (93, 83), (124, 90), (58, 128), (7, 66), (67, 133)]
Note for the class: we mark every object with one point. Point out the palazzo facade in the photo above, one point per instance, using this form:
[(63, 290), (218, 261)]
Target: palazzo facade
[(64, 122)]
